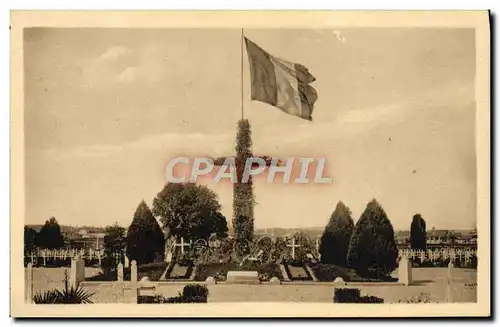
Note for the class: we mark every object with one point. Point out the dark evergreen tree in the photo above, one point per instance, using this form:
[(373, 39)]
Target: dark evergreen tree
[(243, 198), (219, 225), (114, 248), (145, 239), (29, 239), (372, 249), (418, 234), (190, 211), (336, 237), (50, 236)]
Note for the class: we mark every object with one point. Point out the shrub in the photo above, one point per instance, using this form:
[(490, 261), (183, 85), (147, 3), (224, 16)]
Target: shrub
[(182, 299), (195, 290), (370, 299), (328, 273), (352, 295), (346, 295), (372, 250), (151, 299), (335, 239), (192, 293)]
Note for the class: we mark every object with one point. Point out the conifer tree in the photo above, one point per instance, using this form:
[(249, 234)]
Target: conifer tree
[(145, 239), (372, 249), (29, 239), (336, 237), (418, 234), (50, 236)]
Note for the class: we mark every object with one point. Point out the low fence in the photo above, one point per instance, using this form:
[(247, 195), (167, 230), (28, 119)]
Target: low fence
[(441, 254), (62, 257)]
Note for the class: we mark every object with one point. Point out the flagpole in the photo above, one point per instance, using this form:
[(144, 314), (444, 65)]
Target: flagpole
[(241, 74)]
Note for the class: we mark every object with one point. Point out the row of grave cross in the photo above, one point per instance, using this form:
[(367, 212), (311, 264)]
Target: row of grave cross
[(89, 254), (98, 254), (436, 254), (67, 253), (293, 245)]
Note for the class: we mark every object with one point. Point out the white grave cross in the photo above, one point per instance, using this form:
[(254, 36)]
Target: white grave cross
[(182, 244), (293, 246)]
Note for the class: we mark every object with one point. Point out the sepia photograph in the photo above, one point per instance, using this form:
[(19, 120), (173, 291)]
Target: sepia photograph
[(167, 163)]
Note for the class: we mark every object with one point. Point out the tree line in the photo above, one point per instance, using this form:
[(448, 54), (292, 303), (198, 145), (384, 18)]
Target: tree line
[(186, 210)]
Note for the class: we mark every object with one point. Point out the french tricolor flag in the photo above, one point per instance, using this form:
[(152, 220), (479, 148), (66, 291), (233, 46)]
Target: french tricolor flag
[(281, 83)]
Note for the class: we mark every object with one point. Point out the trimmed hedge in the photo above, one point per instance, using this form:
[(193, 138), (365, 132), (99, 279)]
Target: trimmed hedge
[(182, 299), (346, 295), (150, 299), (353, 295), (192, 293), (195, 290), (328, 273)]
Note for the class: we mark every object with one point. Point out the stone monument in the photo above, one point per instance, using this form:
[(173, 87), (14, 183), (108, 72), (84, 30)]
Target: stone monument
[(404, 271), (242, 277), (77, 272)]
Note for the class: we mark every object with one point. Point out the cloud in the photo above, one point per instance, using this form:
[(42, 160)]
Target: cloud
[(112, 53), (128, 75), (213, 144), (364, 120)]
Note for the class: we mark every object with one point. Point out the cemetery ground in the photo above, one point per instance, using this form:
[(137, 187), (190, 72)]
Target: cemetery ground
[(429, 283)]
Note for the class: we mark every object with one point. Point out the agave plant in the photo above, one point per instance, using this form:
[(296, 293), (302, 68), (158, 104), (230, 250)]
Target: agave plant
[(47, 297), (69, 295)]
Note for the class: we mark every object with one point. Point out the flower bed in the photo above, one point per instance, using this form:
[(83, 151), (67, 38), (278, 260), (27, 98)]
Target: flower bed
[(219, 270)]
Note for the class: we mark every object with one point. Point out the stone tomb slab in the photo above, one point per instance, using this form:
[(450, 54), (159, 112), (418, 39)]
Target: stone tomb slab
[(298, 273), (179, 271), (242, 277)]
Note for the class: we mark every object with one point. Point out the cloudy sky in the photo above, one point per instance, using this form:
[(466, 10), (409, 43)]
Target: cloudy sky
[(106, 109)]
